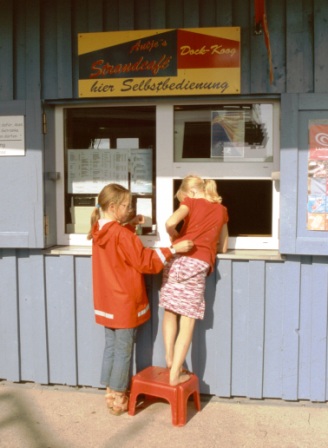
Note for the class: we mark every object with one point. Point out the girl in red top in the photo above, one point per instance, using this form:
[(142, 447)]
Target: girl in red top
[(119, 261), (182, 293)]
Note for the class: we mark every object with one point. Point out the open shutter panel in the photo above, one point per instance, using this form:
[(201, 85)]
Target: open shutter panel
[(296, 236), (21, 181)]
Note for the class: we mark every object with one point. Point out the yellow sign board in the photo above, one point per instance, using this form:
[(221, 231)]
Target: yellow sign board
[(194, 61)]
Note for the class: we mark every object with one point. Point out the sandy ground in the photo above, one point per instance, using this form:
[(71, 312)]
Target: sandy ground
[(35, 416)]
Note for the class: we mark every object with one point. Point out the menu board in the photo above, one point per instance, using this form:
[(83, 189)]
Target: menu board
[(89, 170), (141, 171)]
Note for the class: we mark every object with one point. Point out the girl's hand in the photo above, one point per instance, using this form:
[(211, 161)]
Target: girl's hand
[(138, 219), (183, 246)]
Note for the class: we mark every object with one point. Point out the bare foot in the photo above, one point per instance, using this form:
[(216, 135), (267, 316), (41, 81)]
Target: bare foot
[(182, 378)]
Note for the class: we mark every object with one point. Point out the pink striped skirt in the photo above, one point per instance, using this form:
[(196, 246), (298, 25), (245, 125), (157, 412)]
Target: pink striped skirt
[(183, 287)]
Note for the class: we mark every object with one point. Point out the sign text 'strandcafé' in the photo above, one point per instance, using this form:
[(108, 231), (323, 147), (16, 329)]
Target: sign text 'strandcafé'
[(196, 61)]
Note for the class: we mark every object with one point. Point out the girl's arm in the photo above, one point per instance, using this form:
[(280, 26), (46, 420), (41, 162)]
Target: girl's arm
[(145, 259), (174, 220), (222, 246)]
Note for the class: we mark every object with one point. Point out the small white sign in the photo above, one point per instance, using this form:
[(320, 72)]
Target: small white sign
[(12, 135), (144, 207)]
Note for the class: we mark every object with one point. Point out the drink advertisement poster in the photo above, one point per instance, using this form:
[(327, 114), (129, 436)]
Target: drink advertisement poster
[(317, 206), (194, 61)]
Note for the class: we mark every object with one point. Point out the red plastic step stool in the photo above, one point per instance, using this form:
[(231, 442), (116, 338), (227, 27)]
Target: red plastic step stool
[(154, 381)]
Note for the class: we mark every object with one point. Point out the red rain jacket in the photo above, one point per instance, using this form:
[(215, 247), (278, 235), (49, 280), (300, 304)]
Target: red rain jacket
[(119, 261)]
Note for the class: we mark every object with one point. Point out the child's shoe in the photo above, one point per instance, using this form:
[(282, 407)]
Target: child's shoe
[(110, 397), (120, 404)]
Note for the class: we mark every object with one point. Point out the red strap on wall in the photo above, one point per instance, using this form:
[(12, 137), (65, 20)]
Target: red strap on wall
[(261, 23)]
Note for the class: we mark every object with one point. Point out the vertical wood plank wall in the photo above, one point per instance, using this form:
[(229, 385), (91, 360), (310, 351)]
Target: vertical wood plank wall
[(264, 334), (265, 331), (39, 40)]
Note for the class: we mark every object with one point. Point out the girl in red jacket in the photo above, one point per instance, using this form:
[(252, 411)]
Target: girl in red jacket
[(119, 261), (183, 289)]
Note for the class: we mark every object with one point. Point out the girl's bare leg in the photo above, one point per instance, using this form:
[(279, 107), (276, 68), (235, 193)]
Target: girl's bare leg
[(181, 348), (170, 329)]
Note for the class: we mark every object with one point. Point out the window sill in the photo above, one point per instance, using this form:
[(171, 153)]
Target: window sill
[(249, 254), (230, 255), (69, 250)]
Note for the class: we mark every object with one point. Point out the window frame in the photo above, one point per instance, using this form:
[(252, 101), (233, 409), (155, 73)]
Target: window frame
[(167, 167), (167, 170)]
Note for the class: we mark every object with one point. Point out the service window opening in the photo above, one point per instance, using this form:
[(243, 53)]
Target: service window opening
[(105, 145), (249, 203)]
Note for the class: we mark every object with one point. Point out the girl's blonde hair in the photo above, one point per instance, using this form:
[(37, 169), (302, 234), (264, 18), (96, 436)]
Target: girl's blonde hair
[(208, 186), (110, 194)]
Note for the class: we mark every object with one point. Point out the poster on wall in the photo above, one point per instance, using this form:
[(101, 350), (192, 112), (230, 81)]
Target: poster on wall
[(191, 61), (317, 204), (243, 133)]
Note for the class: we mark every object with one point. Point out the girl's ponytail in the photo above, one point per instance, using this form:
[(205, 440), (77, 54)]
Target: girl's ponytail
[(95, 216)]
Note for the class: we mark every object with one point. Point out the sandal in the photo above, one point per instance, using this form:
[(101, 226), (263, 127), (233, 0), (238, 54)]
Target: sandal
[(110, 397), (120, 404)]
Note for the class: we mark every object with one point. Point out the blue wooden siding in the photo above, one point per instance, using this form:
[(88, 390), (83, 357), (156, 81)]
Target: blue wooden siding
[(9, 317), (264, 333), (39, 40)]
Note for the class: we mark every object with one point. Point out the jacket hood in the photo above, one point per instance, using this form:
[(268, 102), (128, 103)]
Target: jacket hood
[(103, 235)]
